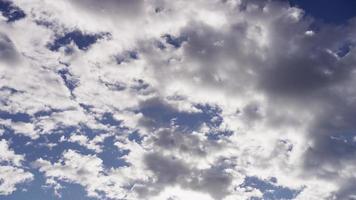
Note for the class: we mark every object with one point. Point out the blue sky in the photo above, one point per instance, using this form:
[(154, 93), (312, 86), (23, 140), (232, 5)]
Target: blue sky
[(333, 11), (177, 100)]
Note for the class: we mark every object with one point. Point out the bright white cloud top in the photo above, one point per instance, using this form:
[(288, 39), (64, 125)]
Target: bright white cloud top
[(175, 100)]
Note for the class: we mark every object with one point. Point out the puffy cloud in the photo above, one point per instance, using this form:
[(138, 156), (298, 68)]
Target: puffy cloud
[(8, 155), (86, 170), (10, 177), (11, 169), (192, 97), (89, 171)]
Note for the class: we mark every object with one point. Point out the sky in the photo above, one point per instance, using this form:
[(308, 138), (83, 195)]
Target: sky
[(177, 100)]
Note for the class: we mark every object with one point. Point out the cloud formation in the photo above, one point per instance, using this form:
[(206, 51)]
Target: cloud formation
[(216, 100), (12, 172)]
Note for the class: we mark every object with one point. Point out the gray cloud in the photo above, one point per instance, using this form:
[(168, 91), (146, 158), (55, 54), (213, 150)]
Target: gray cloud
[(265, 71), (8, 52), (296, 72), (112, 8), (170, 171)]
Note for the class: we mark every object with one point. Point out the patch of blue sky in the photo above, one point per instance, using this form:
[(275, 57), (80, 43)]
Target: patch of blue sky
[(73, 191), (111, 155), (89, 132), (330, 11), (136, 137), (211, 114), (160, 114), (70, 82), (108, 119), (42, 147), (10, 11), (176, 42), (270, 189), (82, 40), (219, 134), (15, 117)]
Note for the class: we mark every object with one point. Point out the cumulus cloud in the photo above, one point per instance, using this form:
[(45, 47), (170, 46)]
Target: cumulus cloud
[(86, 170), (163, 99), (12, 172)]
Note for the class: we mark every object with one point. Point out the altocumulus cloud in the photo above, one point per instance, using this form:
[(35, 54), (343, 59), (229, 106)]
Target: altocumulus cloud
[(175, 100)]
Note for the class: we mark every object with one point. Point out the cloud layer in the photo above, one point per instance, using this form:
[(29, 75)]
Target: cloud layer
[(158, 99)]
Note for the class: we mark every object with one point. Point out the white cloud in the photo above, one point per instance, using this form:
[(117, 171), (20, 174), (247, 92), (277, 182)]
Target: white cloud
[(8, 155), (94, 144), (10, 177), (88, 171), (281, 87), (11, 172)]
